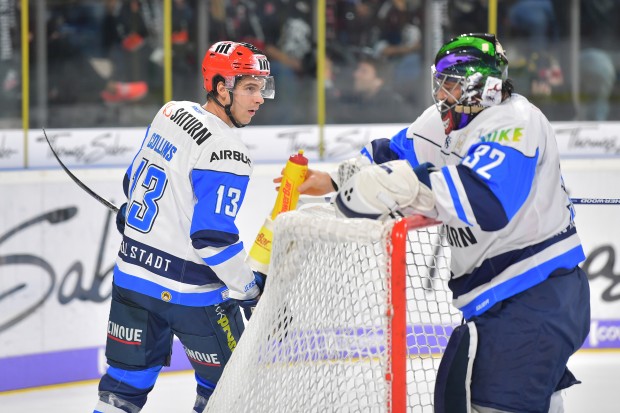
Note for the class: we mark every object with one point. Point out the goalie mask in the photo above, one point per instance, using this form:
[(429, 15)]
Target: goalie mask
[(230, 62), (468, 76)]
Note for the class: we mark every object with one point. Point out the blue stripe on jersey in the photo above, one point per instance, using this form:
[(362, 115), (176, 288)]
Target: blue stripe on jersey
[(507, 172), (140, 379), (521, 282), (164, 264), (219, 196), (404, 147), (155, 290), (208, 238), (365, 152), (488, 210), (460, 212), (224, 255), (381, 151), (491, 267)]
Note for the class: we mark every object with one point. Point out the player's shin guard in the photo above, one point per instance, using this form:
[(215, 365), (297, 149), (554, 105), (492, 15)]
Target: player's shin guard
[(452, 387)]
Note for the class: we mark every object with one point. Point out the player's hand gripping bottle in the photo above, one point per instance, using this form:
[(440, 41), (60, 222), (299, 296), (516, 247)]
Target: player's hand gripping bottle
[(294, 175)]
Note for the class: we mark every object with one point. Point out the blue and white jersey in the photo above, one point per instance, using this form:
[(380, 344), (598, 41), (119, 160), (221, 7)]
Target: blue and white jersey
[(500, 193), (184, 189)]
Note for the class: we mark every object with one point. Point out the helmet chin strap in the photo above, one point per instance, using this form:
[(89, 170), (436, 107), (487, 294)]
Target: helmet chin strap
[(227, 109)]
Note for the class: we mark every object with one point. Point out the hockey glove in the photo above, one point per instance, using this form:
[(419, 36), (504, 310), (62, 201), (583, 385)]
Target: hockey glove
[(248, 305), (120, 218), (347, 169), (384, 191)]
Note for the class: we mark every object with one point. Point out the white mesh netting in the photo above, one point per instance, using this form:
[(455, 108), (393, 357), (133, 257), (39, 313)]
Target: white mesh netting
[(317, 342)]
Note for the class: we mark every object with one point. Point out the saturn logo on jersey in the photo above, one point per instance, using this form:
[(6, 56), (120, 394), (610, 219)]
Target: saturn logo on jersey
[(123, 334), (203, 358), (190, 124)]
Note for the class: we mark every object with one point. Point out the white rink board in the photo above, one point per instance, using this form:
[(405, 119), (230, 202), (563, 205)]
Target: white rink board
[(115, 147), (55, 266)]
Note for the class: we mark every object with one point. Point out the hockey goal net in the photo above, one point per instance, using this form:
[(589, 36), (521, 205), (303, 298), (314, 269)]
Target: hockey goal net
[(354, 318)]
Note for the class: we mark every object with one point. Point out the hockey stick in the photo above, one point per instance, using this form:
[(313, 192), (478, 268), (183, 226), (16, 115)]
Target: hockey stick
[(595, 201), (576, 201), (89, 191)]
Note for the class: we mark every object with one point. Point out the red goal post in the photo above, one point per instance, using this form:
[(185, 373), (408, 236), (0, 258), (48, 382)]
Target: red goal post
[(354, 317)]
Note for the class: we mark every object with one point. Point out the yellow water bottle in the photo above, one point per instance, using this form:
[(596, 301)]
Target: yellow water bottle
[(294, 175)]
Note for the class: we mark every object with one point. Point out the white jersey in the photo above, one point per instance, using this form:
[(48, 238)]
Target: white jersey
[(500, 193), (184, 189)]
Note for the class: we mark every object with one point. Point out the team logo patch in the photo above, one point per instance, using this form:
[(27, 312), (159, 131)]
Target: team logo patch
[(166, 296)]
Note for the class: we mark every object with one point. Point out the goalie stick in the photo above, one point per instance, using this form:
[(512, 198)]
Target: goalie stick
[(595, 201), (577, 201), (81, 184)]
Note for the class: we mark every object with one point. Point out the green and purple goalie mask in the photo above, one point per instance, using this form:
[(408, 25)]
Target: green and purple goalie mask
[(468, 76)]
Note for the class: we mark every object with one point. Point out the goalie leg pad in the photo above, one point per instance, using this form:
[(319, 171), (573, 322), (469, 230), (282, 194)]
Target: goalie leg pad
[(452, 387)]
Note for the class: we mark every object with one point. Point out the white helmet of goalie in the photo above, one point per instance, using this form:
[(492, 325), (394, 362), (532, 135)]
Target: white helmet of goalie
[(384, 191)]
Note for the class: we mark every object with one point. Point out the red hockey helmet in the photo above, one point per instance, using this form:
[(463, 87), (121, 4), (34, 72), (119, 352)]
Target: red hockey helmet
[(232, 60)]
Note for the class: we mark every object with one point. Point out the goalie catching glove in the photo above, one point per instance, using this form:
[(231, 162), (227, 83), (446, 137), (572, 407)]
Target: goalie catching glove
[(388, 190)]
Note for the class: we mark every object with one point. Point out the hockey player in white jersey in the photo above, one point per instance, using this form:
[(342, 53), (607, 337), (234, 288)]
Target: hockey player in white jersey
[(181, 267), (484, 161)]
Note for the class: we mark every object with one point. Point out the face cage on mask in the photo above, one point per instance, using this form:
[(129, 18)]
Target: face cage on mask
[(456, 112), (451, 86)]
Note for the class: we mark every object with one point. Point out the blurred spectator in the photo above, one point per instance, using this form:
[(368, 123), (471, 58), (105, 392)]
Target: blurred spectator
[(184, 53), (356, 22), (371, 99), (596, 83), (599, 59), (217, 20), (288, 35), (236, 19), (133, 38), (72, 76), (400, 42), (467, 16), (181, 18), (10, 82), (534, 20), (534, 39)]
